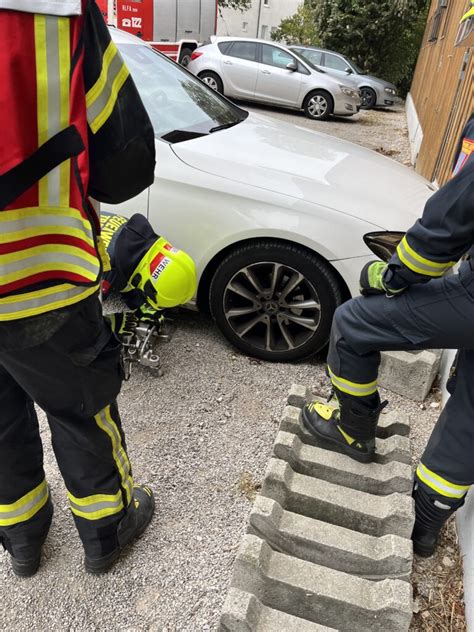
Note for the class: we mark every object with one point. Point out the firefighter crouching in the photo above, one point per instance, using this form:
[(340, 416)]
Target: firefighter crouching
[(409, 304), (72, 124)]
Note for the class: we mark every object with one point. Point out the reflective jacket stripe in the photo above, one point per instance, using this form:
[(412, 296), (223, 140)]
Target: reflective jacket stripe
[(24, 508), (102, 97), (50, 7), (106, 423), (419, 264), (439, 484), (97, 506), (352, 388), (39, 301)]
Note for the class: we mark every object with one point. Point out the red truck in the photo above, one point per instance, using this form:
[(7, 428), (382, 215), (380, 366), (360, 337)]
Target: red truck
[(173, 27)]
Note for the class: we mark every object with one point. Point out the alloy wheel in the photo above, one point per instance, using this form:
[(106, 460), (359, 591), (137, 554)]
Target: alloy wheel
[(318, 106), (211, 82), (272, 306)]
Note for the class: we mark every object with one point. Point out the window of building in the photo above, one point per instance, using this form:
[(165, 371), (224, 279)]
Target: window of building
[(264, 32), (266, 3), (436, 21), (245, 26)]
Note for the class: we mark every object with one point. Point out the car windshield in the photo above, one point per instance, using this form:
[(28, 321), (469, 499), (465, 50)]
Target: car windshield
[(180, 107), (358, 70)]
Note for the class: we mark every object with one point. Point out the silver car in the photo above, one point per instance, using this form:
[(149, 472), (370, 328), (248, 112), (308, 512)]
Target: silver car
[(256, 70), (374, 92)]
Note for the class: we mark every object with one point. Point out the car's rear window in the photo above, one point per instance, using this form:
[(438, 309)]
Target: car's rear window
[(224, 47)]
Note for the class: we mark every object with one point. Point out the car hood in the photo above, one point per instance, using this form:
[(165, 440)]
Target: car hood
[(311, 167), (374, 80)]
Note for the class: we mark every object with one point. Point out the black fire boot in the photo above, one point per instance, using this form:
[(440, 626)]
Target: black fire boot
[(25, 551), (348, 423), (431, 514), (136, 520)]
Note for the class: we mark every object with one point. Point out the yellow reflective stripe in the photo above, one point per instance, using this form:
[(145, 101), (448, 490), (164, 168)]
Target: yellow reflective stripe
[(65, 91), (41, 301), (60, 249), (100, 120), (42, 94), (419, 264), (439, 484), (97, 506), (350, 440), (353, 388), (49, 267), (106, 423), (44, 230), (468, 15), (24, 508), (101, 82)]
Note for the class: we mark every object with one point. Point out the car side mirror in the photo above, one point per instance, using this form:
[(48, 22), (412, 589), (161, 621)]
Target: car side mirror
[(293, 66), (349, 70)]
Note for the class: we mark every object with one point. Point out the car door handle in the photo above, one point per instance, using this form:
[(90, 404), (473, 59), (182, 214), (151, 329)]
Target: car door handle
[(228, 63), (266, 72)]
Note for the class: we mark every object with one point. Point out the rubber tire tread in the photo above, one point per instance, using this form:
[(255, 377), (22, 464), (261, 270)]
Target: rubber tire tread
[(326, 283)]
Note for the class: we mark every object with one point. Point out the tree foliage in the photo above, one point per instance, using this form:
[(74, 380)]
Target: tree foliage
[(239, 5), (299, 28), (382, 36)]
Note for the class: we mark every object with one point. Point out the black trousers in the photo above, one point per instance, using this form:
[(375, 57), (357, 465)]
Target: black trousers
[(436, 315), (74, 376)]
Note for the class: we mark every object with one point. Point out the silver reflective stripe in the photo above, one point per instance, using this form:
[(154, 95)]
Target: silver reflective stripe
[(54, 101), (58, 258), (118, 452), (43, 221), (359, 390), (24, 305), (25, 509), (442, 486), (436, 269), (96, 108), (116, 505)]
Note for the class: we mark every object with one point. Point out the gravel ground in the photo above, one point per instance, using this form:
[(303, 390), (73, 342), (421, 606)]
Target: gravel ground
[(201, 437)]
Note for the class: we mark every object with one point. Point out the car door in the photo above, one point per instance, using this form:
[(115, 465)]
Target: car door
[(239, 69), (275, 82), (336, 65)]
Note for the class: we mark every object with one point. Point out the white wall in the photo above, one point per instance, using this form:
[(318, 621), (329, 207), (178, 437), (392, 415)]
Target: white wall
[(261, 18)]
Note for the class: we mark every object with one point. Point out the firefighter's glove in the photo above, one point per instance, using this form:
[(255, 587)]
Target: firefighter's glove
[(122, 323), (371, 278)]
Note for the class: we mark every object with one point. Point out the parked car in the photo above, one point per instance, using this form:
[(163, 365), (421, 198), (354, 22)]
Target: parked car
[(374, 92), (256, 70), (273, 214)]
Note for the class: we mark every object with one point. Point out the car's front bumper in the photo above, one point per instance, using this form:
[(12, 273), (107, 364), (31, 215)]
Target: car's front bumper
[(346, 106), (387, 100)]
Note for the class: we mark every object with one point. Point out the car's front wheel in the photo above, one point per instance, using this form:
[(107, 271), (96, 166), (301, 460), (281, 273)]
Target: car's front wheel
[(368, 97), (318, 105), (212, 80), (275, 300)]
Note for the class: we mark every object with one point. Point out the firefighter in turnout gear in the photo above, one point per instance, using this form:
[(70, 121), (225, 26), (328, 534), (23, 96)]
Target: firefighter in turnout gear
[(410, 304), (72, 125)]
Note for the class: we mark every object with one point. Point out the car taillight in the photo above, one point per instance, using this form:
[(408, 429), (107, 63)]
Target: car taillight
[(196, 55)]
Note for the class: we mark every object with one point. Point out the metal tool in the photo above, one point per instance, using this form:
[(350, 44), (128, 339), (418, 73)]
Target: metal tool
[(139, 344)]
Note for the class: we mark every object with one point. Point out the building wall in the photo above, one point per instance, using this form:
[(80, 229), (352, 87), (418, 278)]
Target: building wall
[(259, 20), (441, 97)]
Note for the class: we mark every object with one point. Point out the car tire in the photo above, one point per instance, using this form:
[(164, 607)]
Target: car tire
[(318, 105), (212, 80), (251, 304), (369, 98), (185, 57)]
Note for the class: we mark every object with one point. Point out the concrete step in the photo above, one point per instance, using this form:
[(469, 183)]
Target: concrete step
[(340, 469), (353, 509), (243, 612), (319, 594), (392, 448), (330, 545)]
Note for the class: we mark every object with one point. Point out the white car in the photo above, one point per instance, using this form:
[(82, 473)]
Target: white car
[(274, 215), (257, 70)]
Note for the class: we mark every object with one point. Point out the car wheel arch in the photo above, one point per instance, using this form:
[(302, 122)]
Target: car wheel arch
[(213, 264), (312, 91)]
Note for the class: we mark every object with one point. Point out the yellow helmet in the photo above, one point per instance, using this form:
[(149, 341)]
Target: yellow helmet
[(465, 36), (166, 276)]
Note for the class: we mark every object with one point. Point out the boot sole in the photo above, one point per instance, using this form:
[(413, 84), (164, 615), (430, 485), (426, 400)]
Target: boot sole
[(345, 448), (103, 565), (26, 568)]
